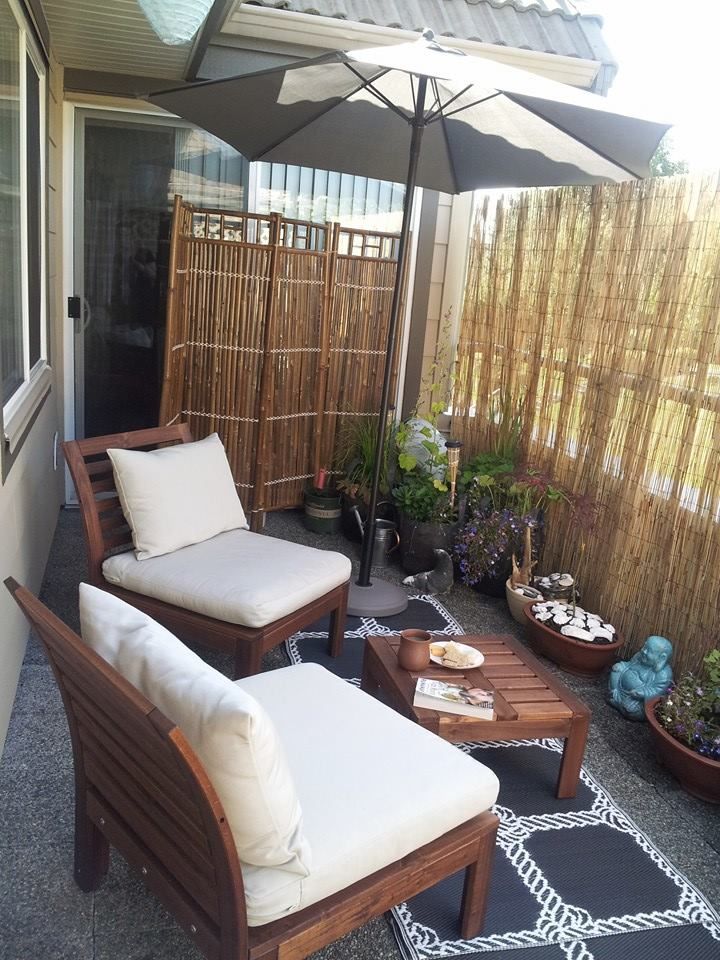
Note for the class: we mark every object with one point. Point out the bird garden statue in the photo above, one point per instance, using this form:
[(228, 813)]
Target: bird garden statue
[(437, 580), (645, 675)]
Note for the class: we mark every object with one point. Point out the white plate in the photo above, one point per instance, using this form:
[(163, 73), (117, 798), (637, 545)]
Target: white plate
[(479, 658)]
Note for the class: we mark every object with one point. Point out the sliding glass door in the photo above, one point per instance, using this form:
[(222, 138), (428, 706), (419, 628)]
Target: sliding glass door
[(127, 170)]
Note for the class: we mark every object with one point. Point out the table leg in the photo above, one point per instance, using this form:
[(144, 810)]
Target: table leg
[(572, 756), (368, 683)]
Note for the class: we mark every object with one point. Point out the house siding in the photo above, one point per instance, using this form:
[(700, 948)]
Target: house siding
[(31, 495)]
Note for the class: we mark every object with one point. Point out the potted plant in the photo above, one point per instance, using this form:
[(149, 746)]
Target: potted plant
[(428, 521), (581, 643), (685, 726), (501, 507), (427, 511), (354, 459)]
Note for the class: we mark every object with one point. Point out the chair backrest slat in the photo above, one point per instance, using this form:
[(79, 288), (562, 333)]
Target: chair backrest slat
[(163, 848), (158, 785), (149, 792), (91, 471)]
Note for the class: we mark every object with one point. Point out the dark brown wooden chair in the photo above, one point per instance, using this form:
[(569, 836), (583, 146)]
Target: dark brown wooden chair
[(140, 787), (106, 532)]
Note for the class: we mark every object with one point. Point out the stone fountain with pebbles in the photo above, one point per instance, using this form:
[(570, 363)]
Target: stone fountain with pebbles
[(573, 622)]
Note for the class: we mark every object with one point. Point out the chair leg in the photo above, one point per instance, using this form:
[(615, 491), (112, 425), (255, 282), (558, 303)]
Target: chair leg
[(336, 634), (475, 889), (92, 851), (248, 659)]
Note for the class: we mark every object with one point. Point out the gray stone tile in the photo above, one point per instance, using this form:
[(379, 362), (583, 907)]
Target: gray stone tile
[(44, 914), (130, 923)]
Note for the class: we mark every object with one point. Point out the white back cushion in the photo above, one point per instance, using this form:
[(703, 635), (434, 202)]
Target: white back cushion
[(176, 496), (231, 733)]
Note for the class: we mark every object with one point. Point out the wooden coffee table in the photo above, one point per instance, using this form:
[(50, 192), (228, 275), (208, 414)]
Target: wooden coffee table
[(530, 703)]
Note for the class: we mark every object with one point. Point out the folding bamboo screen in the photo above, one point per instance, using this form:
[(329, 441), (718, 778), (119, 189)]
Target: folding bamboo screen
[(276, 329), (602, 308)]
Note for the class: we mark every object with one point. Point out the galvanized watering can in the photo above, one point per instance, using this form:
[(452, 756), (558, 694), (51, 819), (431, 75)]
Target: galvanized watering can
[(387, 539)]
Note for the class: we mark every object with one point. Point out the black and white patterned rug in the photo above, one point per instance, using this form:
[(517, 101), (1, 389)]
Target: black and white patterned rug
[(573, 879)]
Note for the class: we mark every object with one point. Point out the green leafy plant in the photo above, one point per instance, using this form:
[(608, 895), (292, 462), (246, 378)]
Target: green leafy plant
[(423, 499), (507, 412), (488, 464), (691, 710), (422, 491), (355, 457)]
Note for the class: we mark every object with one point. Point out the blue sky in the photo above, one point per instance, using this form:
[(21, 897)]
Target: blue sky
[(668, 52)]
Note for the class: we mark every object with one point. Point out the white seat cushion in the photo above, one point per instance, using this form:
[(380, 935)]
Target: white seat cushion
[(373, 786), (229, 730), (239, 576), (176, 496)]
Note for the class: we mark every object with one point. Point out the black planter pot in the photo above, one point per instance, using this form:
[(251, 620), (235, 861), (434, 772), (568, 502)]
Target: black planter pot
[(493, 586), (418, 541), (349, 524)]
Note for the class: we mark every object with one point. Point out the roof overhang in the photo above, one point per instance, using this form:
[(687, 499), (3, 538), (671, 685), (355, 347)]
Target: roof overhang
[(313, 32)]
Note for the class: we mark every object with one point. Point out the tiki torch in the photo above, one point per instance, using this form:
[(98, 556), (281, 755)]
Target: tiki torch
[(453, 458)]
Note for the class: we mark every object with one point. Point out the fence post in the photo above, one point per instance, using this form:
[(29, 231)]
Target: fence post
[(331, 241), (266, 380), (172, 386)]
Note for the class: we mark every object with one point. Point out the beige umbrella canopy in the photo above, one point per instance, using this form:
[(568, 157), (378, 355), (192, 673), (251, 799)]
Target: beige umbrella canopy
[(427, 116)]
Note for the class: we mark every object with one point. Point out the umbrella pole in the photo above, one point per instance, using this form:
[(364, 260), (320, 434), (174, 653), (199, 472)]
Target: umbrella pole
[(383, 598)]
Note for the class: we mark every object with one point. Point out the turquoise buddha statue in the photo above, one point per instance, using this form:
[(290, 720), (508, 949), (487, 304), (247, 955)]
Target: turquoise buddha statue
[(645, 675)]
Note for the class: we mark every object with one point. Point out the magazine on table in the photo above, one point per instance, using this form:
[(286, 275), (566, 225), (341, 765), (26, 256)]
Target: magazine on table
[(454, 698)]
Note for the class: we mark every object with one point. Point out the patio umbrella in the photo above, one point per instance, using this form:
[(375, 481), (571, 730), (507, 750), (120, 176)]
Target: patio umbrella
[(367, 112)]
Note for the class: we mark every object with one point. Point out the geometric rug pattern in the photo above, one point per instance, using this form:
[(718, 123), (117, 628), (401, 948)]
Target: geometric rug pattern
[(572, 880)]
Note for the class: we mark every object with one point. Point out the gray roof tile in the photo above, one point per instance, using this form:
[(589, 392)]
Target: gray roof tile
[(564, 27)]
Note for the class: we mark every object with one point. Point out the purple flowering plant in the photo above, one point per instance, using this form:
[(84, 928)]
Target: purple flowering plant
[(690, 711), (502, 506), (487, 541)]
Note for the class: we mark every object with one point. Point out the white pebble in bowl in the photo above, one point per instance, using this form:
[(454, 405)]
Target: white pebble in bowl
[(576, 633)]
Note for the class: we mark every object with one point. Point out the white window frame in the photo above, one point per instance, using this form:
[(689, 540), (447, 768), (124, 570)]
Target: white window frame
[(19, 410)]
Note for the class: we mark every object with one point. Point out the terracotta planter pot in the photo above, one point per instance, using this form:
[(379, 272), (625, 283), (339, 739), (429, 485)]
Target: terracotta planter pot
[(414, 650), (699, 775), (517, 602), (575, 656)]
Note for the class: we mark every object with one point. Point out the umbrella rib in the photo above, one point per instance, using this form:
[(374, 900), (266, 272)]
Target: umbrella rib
[(321, 113), (433, 113), (440, 114), (369, 86), (558, 126)]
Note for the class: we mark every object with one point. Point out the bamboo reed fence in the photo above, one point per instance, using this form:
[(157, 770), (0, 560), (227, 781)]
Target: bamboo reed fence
[(276, 328), (601, 307)]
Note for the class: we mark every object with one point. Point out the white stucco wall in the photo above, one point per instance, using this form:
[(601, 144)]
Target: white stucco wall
[(31, 495)]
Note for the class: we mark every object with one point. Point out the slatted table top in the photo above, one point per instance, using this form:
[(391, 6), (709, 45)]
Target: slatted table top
[(530, 701)]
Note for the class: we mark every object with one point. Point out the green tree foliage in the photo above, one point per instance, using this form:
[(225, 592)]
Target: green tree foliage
[(663, 164)]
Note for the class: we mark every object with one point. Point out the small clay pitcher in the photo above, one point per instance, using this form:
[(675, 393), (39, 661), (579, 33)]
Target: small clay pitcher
[(414, 651)]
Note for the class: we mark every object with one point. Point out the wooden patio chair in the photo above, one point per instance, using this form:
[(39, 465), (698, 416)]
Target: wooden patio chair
[(107, 533), (141, 788)]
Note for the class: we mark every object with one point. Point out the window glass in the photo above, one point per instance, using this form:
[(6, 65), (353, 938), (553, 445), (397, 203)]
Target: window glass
[(34, 206), (11, 332)]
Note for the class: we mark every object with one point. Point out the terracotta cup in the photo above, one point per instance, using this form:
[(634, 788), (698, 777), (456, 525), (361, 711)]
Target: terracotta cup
[(414, 651)]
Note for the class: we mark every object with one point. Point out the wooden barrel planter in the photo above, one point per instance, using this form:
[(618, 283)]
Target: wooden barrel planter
[(699, 775), (575, 656)]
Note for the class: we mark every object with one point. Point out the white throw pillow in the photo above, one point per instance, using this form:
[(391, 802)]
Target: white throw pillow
[(176, 496), (231, 733)]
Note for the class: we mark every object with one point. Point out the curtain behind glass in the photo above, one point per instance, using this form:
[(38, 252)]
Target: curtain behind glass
[(132, 170), (11, 340)]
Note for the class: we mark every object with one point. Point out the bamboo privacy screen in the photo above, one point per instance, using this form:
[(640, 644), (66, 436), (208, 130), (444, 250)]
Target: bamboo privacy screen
[(601, 306), (276, 328)]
